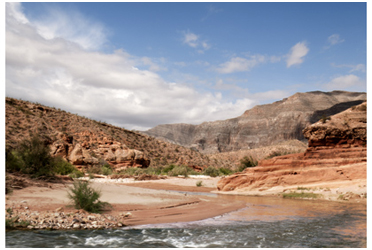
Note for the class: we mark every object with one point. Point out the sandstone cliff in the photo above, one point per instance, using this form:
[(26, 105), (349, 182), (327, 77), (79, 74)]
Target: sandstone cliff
[(262, 125), (336, 156)]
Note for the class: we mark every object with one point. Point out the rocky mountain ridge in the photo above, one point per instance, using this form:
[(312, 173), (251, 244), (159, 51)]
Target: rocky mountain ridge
[(85, 142), (336, 157), (262, 125)]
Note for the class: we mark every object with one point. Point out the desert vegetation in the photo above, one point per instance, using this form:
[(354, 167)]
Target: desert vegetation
[(32, 157), (85, 197)]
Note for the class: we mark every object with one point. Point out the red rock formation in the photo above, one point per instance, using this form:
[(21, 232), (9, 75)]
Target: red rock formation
[(337, 152)]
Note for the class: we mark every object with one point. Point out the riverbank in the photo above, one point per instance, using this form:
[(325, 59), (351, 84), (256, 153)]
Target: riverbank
[(174, 199), (133, 203)]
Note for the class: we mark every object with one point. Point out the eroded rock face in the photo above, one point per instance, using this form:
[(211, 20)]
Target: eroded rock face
[(92, 150), (262, 125), (337, 152)]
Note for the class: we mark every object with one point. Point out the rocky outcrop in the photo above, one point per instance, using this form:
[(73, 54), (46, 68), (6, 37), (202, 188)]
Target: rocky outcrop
[(116, 154), (262, 125), (336, 153)]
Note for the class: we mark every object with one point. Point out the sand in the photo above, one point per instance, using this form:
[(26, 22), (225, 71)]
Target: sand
[(149, 202)]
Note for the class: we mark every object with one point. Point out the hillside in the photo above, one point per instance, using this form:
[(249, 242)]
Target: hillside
[(86, 142), (335, 159), (263, 125)]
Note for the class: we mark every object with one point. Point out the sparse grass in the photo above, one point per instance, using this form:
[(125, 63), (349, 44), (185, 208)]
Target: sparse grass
[(303, 188), (302, 195)]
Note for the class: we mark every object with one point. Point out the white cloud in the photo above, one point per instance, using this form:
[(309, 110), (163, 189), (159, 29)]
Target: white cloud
[(57, 72), (345, 82), (296, 54), (239, 64), (335, 39), (194, 41), (353, 68), (72, 26)]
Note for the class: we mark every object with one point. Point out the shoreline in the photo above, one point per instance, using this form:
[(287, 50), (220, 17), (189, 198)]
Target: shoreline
[(134, 203)]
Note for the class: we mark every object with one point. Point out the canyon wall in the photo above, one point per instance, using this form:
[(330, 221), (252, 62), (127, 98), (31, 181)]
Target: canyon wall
[(260, 126)]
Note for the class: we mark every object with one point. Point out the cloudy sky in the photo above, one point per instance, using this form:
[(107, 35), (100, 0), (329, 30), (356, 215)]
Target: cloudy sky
[(137, 65)]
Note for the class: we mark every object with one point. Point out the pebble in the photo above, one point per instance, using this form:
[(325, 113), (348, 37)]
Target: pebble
[(78, 220)]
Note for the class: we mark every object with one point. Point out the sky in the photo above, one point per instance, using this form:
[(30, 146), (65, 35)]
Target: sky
[(138, 65)]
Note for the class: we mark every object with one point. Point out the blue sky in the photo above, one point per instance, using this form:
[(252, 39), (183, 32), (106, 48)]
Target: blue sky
[(137, 65)]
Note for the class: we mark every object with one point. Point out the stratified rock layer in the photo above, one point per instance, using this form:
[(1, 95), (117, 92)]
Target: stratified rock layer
[(337, 152), (262, 125)]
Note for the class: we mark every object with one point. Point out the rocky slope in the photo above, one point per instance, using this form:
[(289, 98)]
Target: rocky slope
[(85, 142), (336, 157), (262, 125)]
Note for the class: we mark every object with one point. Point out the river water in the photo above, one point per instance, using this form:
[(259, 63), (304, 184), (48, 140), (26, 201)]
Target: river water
[(265, 222)]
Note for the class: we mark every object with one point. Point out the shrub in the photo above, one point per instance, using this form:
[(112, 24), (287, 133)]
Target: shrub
[(31, 157), (179, 170), (168, 168), (211, 171), (247, 162), (225, 171), (106, 169), (85, 197), (199, 183), (63, 167)]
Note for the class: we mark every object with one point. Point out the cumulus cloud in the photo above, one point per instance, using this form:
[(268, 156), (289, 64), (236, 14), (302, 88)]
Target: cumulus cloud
[(239, 64), (296, 54), (59, 71), (345, 82)]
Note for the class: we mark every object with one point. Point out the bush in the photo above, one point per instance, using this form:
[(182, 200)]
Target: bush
[(211, 171), (179, 170), (199, 183), (106, 169), (247, 162), (63, 167), (31, 157), (225, 171), (85, 197)]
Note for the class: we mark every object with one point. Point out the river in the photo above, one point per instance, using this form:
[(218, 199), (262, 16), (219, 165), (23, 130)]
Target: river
[(265, 222)]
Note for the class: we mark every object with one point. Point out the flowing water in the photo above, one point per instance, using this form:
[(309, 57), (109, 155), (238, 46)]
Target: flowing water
[(265, 222)]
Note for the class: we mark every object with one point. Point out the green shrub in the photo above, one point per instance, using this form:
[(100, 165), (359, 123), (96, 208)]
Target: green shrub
[(247, 162), (179, 170), (31, 157), (199, 183), (85, 197), (63, 167), (225, 171), (168, 168), (106, 169), (211, 171)]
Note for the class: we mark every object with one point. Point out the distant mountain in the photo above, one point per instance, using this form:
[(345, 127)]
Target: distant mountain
[(263, 125)]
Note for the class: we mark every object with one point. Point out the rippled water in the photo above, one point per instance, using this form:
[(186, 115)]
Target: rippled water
[(273, 223)]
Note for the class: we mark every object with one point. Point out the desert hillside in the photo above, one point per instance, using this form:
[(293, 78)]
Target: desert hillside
[(261, 126), (86, 142)]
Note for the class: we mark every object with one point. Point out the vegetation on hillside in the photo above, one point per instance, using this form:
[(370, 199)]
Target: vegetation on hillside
[(32, 157), (25, 118)]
